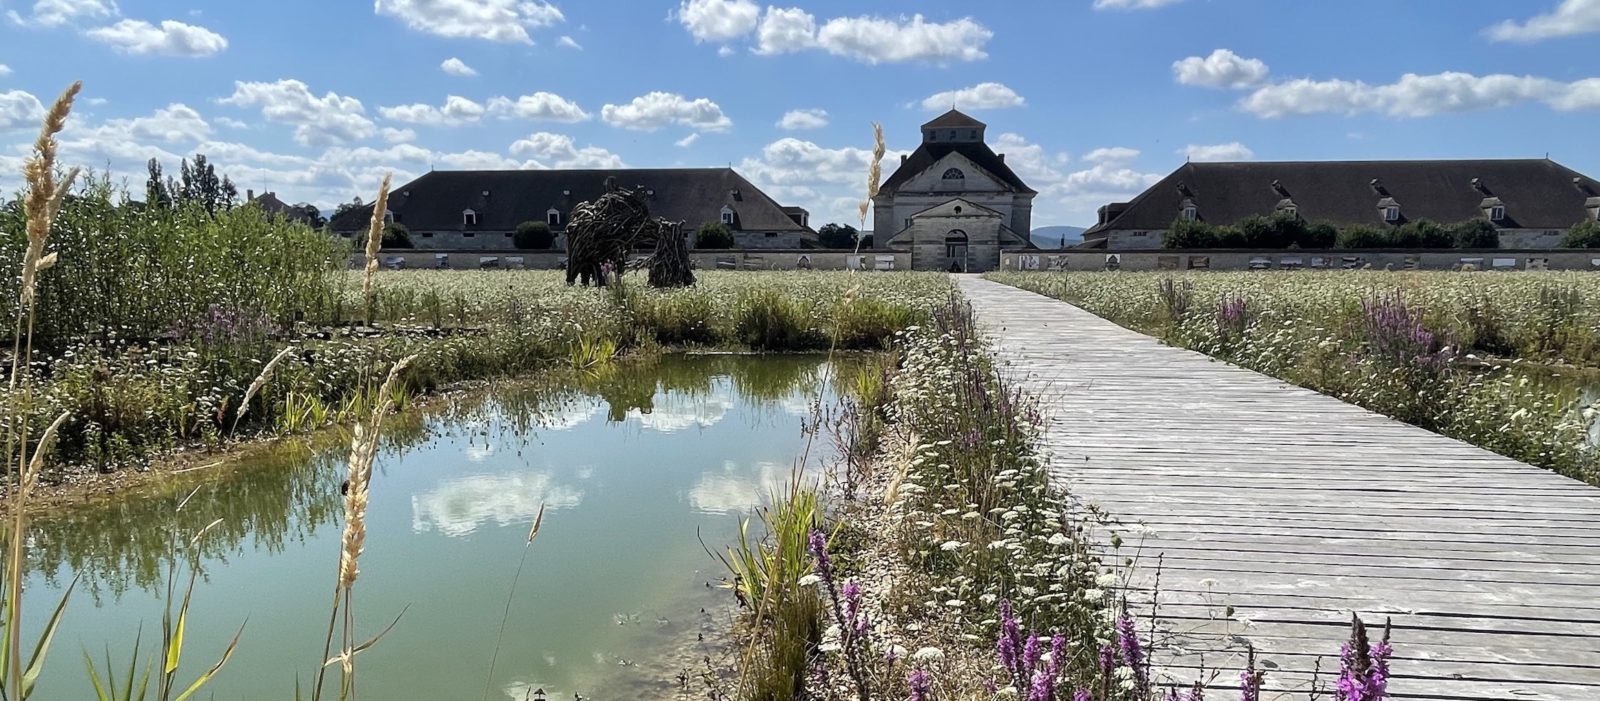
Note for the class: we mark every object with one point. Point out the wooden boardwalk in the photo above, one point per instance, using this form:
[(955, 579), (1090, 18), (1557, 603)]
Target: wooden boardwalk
[(1296, 510)]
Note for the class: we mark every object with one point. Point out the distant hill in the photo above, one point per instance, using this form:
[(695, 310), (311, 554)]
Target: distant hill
[(1053, 236)]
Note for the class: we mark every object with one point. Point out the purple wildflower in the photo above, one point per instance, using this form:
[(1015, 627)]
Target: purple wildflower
[(1043, 687), (1081, 695), (1250, 680), (1363, 667), (1030, 653), (1396, 334), (819, 552), (1058, 650), (1010, 644), (921, 685), (1132, 651), (1233, 316)]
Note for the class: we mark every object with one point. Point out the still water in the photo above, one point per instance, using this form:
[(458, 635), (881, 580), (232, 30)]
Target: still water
[(635, 469)]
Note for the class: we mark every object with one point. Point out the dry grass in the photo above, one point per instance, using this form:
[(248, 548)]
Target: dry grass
[(260, 381), (374, 241), (874, 175)]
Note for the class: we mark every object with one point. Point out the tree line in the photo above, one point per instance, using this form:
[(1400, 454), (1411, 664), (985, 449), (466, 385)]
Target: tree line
[(1289, 231)]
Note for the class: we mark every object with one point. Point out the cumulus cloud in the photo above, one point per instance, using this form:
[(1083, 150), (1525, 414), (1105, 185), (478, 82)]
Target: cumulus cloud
[(718, 20), (1132, 4), (1222, 69), (19, 108), (1112, 154), (330, 119), (460, 506), (175, 123), (398, 136), (4, 70), (456, 66), (171, 38), (983, 96), (795, 120), (547, 150), (456, 110), (1417, 95), (569, 42), (1231, 151), (879, 40), (786, 30), (54, 13), (1030, 161), (658, 109), (1571, 17), (491, 20), (539, 107)]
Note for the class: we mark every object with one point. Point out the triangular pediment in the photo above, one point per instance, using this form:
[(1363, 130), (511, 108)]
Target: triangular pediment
[(958, 207)]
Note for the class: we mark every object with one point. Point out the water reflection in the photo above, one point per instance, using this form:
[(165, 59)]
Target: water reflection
[(634, 465)]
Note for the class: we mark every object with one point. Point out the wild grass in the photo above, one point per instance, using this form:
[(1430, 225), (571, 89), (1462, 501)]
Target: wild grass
[(1509, 362)]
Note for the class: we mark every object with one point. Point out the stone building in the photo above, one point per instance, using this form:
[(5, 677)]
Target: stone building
[(953, 204), (481, 209), (1532, 202)]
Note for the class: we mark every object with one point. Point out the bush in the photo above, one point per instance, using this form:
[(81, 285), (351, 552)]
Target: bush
[(714, 236), (1189, 234), (1321, 235), (1584, 234), (1361, 236), (837, 236), (396, 236), (1475, 233), (533, 236)]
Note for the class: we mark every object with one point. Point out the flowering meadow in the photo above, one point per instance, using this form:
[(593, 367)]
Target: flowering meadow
[(1509, 362), (952, 568)]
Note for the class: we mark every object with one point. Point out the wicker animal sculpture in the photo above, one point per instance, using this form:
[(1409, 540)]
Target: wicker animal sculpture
[(602, 234)]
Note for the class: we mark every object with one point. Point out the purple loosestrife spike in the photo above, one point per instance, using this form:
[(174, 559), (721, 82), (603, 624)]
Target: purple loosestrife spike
[(1058, 650), (1031, 651), (1081, 695), (1010, 643), (921, 685), (1043, 687), (1132, 651), (1198, 693), (819, 552)]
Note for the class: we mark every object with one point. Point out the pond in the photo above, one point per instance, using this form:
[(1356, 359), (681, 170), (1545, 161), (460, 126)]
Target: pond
[(636, 468)]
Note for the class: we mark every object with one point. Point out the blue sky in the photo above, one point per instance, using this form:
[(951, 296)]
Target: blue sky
[(1091, 100)]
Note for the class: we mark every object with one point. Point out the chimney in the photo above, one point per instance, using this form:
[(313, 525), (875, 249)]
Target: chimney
[(903, 158), (249, 195), (1002, 157)]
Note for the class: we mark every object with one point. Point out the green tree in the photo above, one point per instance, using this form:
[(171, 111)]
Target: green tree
[(1475, 233), (1187, 233), (837, 236), (396, 236), (1584, 234), (155, 188), (533, 235), (1321, 235), (714, 235), (348, 206)]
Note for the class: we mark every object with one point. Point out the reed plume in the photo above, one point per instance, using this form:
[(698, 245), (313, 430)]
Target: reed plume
[(374, 241), (363, 451), (874, 176), (45, 193), (260, 381)]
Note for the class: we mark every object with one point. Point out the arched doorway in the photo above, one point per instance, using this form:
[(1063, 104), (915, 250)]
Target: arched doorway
[(955, 251)]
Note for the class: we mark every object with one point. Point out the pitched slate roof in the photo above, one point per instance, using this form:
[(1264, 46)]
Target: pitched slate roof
[(1537, 193), (953, 118), (929, 153), (435, 201)]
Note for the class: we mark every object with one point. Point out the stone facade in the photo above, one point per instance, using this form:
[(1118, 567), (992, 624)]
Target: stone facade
[(953, 204)]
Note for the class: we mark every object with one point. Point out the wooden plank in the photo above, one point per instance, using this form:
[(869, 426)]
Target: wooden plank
[(1297, 510)]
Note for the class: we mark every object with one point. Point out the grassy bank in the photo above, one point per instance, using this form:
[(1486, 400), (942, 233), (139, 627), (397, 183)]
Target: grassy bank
[(1500, 361)]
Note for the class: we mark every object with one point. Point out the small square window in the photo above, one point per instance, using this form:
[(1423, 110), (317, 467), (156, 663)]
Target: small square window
[(427, 234), (772, 234), (1497, 213), (467, 234), (1191, 213), (1391, 214)]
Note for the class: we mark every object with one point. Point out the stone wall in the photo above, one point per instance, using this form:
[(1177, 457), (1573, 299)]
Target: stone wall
[(1397, 259), (791, 259)]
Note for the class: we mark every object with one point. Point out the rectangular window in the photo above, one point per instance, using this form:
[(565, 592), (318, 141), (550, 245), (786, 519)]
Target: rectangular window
[(467, 234), (908, 222), (1496, 213), (427, 234), (1391, 214), (553, 218), (1190, 213), (772, 234)]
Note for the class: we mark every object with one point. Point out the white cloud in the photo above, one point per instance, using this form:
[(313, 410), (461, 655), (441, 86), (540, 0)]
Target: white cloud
[(456, 110), (687, 141), (4, 70), (461, 506), (1570, 17), (558, 151), (175, 123), (492, 20), (725, 51), (878, 40), (231, 123), (172, 38), (718, 20), (569, 42), (786, 30), (398, 136), (1231, 151), (19, 109), (1132, 4), (1222, 69), (794, 120), (1113, 154), (659, 109), (983, 96), (1417, 95), (1030, 161), (539, 106), (329, 119), (456, 66), (54, 13)]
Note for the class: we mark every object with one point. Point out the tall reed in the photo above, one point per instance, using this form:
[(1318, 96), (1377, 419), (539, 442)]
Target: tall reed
[(874, 175), (374, 240)]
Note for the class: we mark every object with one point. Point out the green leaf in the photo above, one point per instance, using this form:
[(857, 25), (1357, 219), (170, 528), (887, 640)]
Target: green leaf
[(36, 663), (94, 678), (175, 645), (201, 681)]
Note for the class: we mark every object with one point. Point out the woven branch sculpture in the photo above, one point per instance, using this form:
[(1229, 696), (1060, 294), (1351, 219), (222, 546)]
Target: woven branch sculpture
[(603, 233)]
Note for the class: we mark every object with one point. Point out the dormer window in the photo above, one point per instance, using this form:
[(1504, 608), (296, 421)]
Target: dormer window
[(553, 217), (1593, 205), (1391, 213), (469, 218), (1190, 212), (1290, 211), (388, 217), (954, 174), (1497, 213), (727, 216)]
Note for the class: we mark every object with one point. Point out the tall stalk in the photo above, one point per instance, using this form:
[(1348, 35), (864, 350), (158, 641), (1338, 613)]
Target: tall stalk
[(374, 241)]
